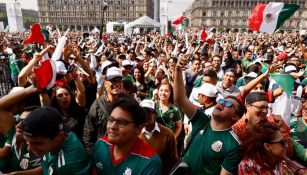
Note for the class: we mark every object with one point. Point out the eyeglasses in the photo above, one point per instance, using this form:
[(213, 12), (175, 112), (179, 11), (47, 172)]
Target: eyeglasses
[(282, 142), (228, 104), (119, 122), (261, 107)]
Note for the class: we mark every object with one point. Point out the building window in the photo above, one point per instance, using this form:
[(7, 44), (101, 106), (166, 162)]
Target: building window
[(204, 14), (222, 13)]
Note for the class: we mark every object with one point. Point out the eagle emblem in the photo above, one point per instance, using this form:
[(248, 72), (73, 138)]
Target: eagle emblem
[(269, 18)]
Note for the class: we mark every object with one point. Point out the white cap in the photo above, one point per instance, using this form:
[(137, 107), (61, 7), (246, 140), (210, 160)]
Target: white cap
[(105, 64), (60, 68), (148, 104), (252, 75), (208, 90), (141, 58), (113, 72), (290, 68), (126, 63)]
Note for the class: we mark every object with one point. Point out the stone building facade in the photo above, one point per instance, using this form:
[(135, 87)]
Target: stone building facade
[(233, 14), (83, 15)]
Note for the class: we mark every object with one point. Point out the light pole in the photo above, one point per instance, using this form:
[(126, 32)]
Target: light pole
[(104, 7)]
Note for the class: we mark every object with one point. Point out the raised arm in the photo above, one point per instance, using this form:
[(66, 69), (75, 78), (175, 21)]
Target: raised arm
[(85, 66), (249, 86), (180, 98)]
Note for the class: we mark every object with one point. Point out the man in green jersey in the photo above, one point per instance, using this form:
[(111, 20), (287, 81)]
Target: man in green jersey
[(214, 148), (61, 151), (122, 152)]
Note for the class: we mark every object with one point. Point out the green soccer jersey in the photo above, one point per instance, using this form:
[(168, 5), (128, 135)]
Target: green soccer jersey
[(211, 150), (140, 160), (21, 158), (169, 117), (71, 159)]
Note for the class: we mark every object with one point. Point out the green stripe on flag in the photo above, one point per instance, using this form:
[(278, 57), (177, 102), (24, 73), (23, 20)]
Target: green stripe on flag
[(286, 13), (285, 81)]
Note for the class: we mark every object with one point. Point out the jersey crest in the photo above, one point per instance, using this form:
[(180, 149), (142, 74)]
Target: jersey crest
[(99, 165), (24, 163), (128, 171), (217, 146)]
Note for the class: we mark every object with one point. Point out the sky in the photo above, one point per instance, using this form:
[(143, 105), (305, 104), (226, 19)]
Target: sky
[(176, 7)]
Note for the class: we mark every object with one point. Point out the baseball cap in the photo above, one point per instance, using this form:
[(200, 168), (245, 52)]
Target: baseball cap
[(105, 64), (43, 122), (141, 58), (60, 68), (148, 104), (113, 72), (252, 75), (282, 56), (208, 90), (126, 63), (289, 68)]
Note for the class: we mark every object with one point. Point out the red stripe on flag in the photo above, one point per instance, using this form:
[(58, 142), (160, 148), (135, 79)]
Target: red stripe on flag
[(178, 20), (256, 19), (43, 74)]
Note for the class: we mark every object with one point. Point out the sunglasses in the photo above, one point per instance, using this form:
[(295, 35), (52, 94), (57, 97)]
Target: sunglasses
[(228, 104), (282, 142)]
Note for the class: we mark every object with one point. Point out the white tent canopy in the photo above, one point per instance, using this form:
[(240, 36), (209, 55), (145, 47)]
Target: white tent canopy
[(142, 22)]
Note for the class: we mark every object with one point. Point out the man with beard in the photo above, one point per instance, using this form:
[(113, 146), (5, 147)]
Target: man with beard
[(214, 148), (96, 120)]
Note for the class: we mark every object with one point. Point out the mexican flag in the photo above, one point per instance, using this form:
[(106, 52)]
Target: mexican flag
[(269, 17), (178, 20)]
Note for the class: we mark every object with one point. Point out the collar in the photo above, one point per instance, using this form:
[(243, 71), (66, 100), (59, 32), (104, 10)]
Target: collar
[(156, 128)]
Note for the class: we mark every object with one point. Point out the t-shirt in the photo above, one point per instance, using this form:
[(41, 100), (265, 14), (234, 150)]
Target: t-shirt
[(70, 159), (298, 130), (140, 160), (169, 117), (21, 158), (218, 148)]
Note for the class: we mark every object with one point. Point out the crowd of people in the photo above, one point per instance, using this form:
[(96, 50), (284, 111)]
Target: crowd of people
[(156, 104)]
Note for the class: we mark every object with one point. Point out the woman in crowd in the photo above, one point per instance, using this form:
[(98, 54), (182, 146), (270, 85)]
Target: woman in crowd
[(168, 114), (298, 125), (264, 151), (71, 106), (141, 85)]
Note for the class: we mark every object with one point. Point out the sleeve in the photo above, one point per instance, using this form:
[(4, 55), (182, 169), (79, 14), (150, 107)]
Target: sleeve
[(90, 132), (299, 151), (154, 167), (231, 160), (246, 169), (9, 137), (178, 115), (172, 149)]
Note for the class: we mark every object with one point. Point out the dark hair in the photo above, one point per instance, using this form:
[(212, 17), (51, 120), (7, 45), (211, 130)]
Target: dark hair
[(241, 110), (130, 105), (253, 68), (140, 68), (210, 73), (74, 111), (129, 86), (252, 143), (255, 96)]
